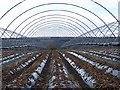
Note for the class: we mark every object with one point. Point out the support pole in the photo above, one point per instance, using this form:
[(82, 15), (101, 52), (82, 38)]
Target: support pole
[(119, 19)]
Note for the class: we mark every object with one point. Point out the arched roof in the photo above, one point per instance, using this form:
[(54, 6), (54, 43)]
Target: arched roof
[(58, 19)]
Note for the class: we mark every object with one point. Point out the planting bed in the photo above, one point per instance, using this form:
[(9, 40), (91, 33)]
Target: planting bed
[(73, 69)]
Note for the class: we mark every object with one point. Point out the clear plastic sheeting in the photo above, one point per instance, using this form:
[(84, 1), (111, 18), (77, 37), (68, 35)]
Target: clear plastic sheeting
[(85, 76), (99, 66), (35, 75)]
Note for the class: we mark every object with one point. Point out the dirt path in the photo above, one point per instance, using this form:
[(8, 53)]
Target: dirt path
[(59, 74)]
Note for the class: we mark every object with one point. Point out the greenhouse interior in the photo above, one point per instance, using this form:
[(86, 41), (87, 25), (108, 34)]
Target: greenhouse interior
[(72, 44)]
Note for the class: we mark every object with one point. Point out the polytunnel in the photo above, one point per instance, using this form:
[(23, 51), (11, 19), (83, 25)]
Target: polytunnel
[(73, 43)]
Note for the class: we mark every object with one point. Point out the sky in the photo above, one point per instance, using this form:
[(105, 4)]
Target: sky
[(5, 5)]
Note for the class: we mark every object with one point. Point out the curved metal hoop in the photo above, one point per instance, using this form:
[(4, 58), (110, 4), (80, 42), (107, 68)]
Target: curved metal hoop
[(106, 10), (64, 22), (12, 8), (8, 33), (113, 23), (64, 11), (53, 18), (75, 34), (62, 4), (91, 0), (57, 16)]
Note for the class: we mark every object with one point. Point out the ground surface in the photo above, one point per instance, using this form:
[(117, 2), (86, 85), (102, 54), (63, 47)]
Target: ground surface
[(61, 69)]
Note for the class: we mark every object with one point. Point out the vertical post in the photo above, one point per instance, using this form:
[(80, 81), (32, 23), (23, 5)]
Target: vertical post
[(119, 22), (119, 18), (1, 65)]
